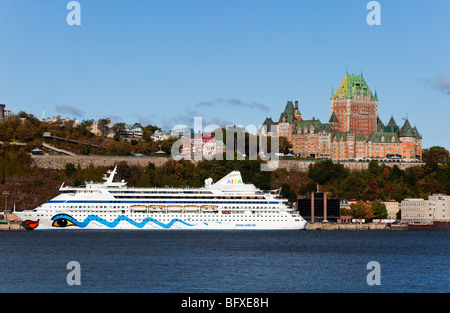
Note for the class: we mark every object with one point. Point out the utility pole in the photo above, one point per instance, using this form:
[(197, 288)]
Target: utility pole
[(5, 193)]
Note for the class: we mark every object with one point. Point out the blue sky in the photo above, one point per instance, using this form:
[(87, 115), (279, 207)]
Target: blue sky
[(229, 62)]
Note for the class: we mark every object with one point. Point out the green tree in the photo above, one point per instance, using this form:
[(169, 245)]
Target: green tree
[(102, 124), (324, 171), (70, 169), (119, 148), (395, 173), (285, 145), (435, 154), (117, 128), (287, 193), (346, 212), (358, 210), (148, 131), (362, 210), (374, 169), (379, 210)]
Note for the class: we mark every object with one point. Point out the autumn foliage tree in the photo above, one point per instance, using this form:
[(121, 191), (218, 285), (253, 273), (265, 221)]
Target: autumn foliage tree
[(361, 210)]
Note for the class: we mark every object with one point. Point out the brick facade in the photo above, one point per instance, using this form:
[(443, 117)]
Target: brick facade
[(354, 130)]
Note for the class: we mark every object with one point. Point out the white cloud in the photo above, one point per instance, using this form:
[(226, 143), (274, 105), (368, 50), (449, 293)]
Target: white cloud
[(440, 82), (234, 102), (68, 109), (443, 83)]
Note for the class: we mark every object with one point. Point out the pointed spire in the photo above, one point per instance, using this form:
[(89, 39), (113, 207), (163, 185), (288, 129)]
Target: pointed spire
[(406, 130), (392, 122), (333, 118), (392, 125)]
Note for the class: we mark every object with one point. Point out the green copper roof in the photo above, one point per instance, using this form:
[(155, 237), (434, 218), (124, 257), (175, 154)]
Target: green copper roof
[(406, 130), (268, 121), (418, 135), (392, 125), (384, 137), (316, 124), (392, 122), (361, 137), (354, 85), (380, 125), (340, 136), (288, 113)]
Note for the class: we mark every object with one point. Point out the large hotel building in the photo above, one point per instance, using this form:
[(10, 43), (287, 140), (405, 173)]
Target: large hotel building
[(354, 130)]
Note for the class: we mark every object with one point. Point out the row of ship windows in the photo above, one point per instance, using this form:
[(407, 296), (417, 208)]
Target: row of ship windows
[(192, 214), (132, 195), (163, 212), (184, 202), (229, 218), (127, 207), (187, 201), (206, 219)]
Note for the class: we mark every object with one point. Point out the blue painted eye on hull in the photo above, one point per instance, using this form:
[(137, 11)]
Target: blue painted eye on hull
[(64, 220)]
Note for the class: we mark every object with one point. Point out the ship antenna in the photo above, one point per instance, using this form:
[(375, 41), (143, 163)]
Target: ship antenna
[(111, 176)]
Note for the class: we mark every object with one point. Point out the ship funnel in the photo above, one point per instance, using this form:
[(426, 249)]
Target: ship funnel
[(232, 179)]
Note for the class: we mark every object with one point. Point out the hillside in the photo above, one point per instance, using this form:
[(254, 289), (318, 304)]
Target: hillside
[(26, 129), (29, 187)]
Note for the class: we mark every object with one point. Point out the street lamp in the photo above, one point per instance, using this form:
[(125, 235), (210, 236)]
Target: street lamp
[(6, 193)]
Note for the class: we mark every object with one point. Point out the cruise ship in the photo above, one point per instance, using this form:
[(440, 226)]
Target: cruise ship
[(228, 204)]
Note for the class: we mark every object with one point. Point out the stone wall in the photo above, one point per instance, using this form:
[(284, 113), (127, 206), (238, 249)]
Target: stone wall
[(303, 166), (59, 162)]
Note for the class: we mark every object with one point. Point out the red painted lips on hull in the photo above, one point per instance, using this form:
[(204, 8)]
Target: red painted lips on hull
[(31, 224)]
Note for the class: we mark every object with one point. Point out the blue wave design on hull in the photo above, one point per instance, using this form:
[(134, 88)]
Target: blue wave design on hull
[(119, 219)]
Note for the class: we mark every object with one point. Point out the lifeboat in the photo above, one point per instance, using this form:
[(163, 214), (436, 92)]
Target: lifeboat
[(138, 208), (156, 208), (209, 207), (191, 208)]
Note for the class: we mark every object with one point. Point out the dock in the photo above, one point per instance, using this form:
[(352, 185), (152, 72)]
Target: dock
[(11, 227), (329, 226)]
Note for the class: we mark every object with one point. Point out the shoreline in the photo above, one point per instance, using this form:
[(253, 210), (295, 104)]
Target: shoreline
[(12, 227), (353, 227)]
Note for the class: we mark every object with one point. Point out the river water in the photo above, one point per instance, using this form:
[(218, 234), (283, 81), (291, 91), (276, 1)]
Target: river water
[(225, 261)]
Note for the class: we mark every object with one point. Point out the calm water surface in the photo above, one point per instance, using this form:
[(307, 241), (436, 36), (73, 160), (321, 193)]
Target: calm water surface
[(233, 261)]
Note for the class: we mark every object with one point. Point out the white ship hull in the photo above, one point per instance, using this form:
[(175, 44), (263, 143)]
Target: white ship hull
[(167, 222), (113, 206)]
